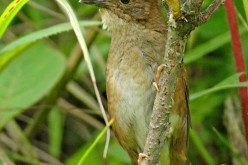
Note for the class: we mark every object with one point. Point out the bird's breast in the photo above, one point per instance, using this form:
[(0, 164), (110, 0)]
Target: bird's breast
[(130, 94)]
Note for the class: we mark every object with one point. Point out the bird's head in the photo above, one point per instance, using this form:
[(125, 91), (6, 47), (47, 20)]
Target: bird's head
[(115, 13)]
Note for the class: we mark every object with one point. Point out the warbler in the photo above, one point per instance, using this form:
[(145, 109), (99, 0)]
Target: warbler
[(137, 50)]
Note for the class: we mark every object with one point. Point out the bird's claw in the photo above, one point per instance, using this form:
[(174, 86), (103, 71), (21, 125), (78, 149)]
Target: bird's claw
[(141, 157), (155, 87), (159, 71), (158, 76)]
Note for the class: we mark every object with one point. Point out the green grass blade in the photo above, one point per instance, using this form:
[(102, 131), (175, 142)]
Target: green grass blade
[(245, 2), (200, 146), (230, 82), (11, 50), (55, 128), (227, 144), (45, 33), (4, 157), (209, 46), (9, 13), (95, 142), (16, 133)]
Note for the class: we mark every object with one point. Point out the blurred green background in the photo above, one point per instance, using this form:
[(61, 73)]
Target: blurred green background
[(48, 109)]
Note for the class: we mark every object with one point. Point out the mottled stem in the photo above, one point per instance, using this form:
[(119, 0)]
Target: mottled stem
[(180, 25), (160, 127)]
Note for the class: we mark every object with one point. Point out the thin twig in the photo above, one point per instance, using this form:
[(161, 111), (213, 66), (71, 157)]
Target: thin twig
[(78, 113), (211, 10)]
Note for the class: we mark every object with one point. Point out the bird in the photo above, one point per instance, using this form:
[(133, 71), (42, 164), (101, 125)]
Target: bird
[(139, 35)]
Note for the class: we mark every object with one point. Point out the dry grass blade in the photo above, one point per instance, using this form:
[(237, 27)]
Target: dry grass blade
[(74, 22)]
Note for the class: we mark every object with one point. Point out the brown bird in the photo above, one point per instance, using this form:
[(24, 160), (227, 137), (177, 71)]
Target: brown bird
[(137, 50)]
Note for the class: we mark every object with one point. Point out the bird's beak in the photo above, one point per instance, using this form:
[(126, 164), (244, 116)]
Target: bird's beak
[(98, 3)]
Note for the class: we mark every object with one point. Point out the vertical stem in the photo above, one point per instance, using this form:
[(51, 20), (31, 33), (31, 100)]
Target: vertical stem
[(160, 124), (240, 66)]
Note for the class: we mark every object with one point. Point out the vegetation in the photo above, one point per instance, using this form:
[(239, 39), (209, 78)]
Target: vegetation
[(49, 113)]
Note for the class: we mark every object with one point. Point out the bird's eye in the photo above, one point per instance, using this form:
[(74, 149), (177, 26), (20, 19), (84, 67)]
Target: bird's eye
[(125, 1)]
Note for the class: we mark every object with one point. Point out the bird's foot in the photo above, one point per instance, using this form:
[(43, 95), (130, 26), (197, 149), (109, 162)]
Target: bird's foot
[(155, 87), (159, 71), (141, 157), (158, 76)]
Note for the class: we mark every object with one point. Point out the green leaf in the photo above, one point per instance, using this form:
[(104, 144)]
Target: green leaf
[(9, 13), (8, 56), (27, 79), (209, 46), (230, 82)]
